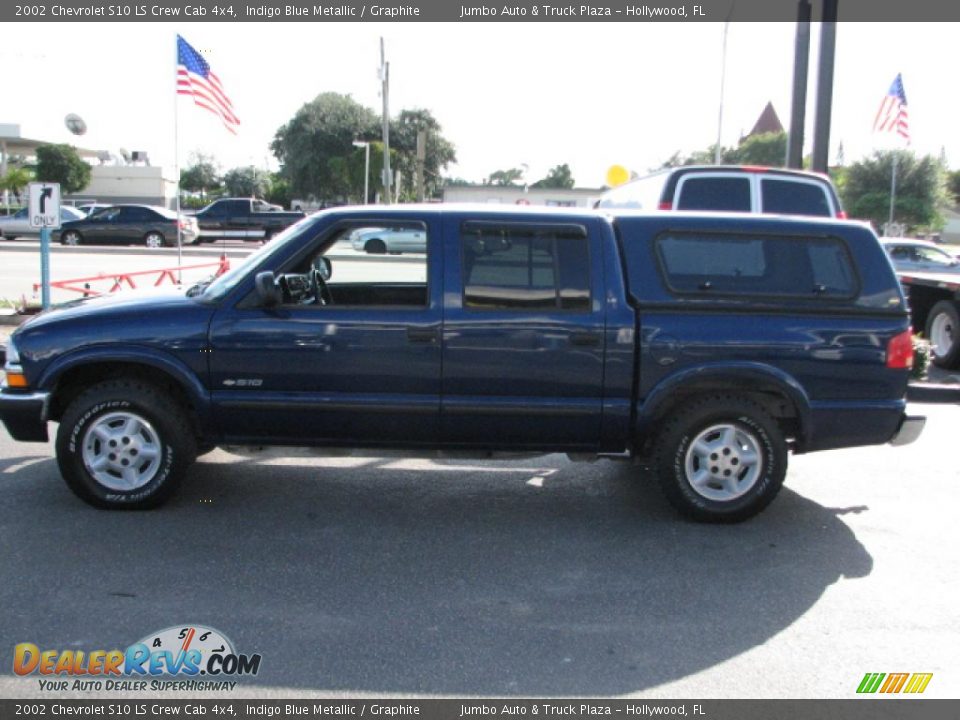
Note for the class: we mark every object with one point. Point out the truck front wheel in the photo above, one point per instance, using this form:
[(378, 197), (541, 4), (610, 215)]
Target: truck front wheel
[(124, 444), (721, 459), (943, 332)]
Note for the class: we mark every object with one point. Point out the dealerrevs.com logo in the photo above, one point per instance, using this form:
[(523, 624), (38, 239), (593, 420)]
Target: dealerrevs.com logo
[(196, 657)]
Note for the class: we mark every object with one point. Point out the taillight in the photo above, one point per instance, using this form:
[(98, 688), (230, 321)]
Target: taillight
[(665, 205), (900, 351), (841, 214)]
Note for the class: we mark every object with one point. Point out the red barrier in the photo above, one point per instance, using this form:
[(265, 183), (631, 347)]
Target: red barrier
[(119, 279)]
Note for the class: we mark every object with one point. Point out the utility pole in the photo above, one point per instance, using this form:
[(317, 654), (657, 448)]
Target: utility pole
[(828, 43), (723, 82), (385, 92), (798, 106), (421, 159)]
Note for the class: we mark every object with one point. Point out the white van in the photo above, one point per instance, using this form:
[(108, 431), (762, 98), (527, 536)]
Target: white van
[(729, 188)]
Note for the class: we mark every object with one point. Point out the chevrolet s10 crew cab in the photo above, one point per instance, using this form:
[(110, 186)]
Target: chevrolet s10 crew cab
[(710, 345)]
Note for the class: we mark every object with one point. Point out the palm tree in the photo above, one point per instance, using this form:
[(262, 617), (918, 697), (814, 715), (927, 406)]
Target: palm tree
[(15, 181)]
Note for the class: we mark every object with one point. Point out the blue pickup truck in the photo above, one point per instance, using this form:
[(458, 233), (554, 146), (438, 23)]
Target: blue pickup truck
[(707, 345)]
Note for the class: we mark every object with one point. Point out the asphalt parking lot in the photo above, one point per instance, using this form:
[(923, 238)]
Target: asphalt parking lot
[(380, 576)]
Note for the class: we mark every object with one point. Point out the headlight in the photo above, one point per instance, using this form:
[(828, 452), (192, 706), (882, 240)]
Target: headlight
[(15, 377), (13, 355)]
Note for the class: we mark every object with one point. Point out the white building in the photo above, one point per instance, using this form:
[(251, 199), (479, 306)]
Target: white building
[(513, 195), (112, 181), (128, 184)]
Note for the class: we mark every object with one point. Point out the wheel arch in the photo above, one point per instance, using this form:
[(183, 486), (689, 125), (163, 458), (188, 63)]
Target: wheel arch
[(776, 391), (71, 375)]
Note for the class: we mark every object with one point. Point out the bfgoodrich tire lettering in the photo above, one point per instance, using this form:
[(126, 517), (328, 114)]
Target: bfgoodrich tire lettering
[(124, 444), (721, 458)]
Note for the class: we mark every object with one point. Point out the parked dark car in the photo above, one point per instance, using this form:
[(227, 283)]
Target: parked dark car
[(148, 225)]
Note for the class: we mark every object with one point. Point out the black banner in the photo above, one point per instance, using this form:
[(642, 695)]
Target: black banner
[(866, 709), (468, 11)]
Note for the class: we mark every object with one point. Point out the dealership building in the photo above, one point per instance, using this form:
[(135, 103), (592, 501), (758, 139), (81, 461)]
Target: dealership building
[(113, 178)]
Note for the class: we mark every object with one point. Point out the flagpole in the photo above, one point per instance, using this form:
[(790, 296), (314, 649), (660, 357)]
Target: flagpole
[(176, 156), (893, 189)]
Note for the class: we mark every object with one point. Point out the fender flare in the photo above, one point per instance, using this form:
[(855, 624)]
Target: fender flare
[(150, 357), (725, 377)]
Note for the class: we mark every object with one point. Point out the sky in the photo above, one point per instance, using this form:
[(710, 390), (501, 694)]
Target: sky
[(507, 95)]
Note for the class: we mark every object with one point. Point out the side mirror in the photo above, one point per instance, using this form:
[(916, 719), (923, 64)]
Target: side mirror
[(324, 267), (267, 289)]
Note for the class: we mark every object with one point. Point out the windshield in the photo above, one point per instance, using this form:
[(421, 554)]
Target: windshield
[(221, 286)]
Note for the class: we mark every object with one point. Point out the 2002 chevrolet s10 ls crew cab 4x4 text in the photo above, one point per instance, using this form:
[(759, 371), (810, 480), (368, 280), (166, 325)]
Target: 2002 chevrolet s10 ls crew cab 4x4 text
[(708, 344)]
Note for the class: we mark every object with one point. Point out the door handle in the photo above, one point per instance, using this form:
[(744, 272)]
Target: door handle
[(585, 338), (421, 335)]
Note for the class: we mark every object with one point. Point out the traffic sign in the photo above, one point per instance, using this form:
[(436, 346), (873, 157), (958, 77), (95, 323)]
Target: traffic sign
[(45, 205)]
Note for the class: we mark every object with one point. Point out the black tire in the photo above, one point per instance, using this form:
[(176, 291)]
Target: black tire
[(943, 332), (71, 237), (268, 236), (163, 429), (375, 247), (754, 434)]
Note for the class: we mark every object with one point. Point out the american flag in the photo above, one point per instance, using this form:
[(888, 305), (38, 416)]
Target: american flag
[(892, 116), (194, 77)]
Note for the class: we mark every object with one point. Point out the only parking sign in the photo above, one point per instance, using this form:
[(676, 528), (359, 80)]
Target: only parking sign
[(45, 205)]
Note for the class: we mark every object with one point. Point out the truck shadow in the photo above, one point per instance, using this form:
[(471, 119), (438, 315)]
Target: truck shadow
[(535, 578)]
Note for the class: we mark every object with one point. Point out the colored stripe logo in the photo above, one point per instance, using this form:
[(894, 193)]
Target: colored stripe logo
[(890, 683)]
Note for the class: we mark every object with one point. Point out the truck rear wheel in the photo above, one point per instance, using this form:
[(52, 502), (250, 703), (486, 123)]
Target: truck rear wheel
[(943, 332), (721, 458), (124, 444)]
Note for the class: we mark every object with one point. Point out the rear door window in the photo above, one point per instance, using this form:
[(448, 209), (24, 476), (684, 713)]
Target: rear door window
[(729, 194), (525, 267), (793, 197)]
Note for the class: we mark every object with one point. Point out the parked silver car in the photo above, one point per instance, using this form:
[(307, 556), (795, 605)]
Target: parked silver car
[(919, 256), (379, 241), (18, 225)]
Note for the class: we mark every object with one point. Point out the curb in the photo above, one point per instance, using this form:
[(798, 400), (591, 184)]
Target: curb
[(12, 318), (933, 393)]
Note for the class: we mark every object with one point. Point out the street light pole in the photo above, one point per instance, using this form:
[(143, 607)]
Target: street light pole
[(366, 170), (385, 91)]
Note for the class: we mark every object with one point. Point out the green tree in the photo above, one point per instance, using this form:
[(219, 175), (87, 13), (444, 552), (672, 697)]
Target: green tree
[(201, 176), (953, 186), (558, 177), (61, 164), (246, 182), (438, 151), (15, 181), (278, 190), (921, 188), (768, 149), (504, 178), (315, 148)]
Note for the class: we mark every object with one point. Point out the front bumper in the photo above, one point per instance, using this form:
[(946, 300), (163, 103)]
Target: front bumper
[(25, 415), (909, 430)]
